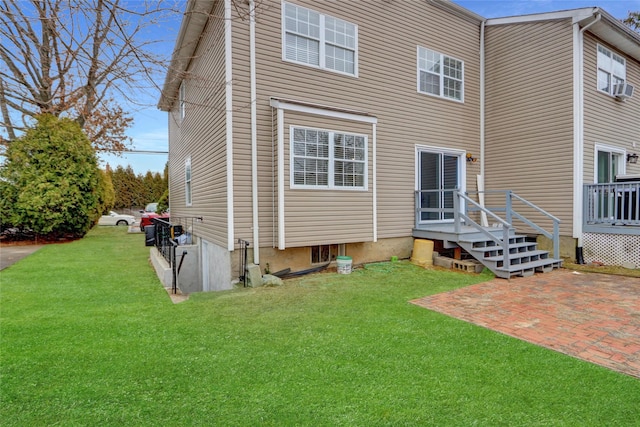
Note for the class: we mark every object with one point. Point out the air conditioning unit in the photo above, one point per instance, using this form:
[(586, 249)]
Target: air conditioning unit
[(623, 91)]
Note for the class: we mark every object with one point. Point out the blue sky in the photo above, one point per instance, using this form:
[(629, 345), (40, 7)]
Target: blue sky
[(149, 132)]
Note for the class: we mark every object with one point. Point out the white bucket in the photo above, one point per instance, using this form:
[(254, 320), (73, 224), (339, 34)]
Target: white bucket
[(344, 264)]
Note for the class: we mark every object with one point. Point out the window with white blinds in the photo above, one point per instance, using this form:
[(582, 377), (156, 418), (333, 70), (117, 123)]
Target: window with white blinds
[(328, 159)]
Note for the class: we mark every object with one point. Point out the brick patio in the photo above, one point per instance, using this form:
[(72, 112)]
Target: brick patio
[(594, 317)]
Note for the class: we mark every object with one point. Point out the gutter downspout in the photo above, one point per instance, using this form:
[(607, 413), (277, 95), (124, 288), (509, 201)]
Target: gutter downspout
[(480, 179), (254, 132), (229, 121), (578, 130)]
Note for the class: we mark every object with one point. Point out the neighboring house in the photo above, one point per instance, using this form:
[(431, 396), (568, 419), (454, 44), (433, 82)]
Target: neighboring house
[(314, 129), (558, 121)]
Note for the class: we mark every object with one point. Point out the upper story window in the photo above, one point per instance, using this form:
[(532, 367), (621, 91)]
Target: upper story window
[(612, 70), (440, 75), (181, 100), (311, 38), (187, 181), (328, 159)]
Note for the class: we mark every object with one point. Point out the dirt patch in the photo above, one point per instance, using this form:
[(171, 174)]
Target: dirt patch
[(603, 269)]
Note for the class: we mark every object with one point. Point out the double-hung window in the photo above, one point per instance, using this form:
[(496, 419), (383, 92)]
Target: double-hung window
[(440, 75), (187, 181), (612, 70), (328, 159), (319, 40)]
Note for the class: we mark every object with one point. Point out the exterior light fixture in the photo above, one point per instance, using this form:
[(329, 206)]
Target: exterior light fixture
[(631, 158), (470, 158)]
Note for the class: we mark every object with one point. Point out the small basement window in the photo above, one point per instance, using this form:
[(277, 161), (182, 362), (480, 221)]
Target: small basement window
[(322, 254)]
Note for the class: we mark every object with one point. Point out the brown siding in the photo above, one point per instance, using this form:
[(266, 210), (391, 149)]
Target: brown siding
[(389, 33), (202, 136), (529, 114), (606, 119)]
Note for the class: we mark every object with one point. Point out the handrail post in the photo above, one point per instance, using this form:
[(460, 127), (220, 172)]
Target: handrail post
[(456, 210), (556, 239), (508, 205), (174, 271), (505, 246)]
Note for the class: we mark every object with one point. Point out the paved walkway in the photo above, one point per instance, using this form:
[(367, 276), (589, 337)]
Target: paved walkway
[(594, 317), (10, 254)]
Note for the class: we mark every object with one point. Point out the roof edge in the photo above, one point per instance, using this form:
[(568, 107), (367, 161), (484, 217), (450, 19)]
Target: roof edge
[(574, 14), (457, 10), (194, 20)]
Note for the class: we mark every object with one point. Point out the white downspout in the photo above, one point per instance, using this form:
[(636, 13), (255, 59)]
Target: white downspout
[(374, 131), (280, 121), (229, 121), (480, 179), (578, 123), (254, 132)]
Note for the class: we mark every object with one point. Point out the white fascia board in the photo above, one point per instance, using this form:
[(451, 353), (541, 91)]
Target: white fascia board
[(195, 19), (575, 14), (324, 111)]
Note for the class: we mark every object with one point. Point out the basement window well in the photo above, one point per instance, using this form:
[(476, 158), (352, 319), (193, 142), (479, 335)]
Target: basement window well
[(322, 254)]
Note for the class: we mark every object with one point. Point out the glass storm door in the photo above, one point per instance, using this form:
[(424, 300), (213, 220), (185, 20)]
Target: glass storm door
[(607, 168), (437, 171)]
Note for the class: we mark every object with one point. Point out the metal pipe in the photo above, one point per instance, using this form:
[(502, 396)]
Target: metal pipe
[(254, 132)]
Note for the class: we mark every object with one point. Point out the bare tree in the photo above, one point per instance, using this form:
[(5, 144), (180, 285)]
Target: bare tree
[(81, 59), (633, 20)]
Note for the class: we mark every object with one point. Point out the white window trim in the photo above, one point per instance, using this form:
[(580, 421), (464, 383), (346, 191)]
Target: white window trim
[(322, 42), (442, 56), (610, 70), (622, 163), (188, 187), (181, 100), (462, 172), (331, 159)]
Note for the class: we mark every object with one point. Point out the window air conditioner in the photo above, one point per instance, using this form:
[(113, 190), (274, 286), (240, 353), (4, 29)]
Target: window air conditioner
[(623, 90)]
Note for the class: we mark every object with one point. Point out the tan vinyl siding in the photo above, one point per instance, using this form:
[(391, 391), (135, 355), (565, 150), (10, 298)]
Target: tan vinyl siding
[(607, 120), (327, 216), (202, 136), (388, 36), (529, 114)]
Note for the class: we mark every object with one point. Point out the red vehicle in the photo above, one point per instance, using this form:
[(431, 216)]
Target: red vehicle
[(149, 213)]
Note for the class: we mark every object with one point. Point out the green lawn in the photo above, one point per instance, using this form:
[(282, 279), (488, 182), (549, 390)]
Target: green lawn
[(89, 337)]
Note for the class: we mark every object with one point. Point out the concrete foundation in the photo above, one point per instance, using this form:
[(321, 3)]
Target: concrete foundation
[(298, 259), (216, 267), (188, 279), (162, 267)]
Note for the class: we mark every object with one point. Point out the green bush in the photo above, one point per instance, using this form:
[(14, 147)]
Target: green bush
[(52, 180), (163, 203)]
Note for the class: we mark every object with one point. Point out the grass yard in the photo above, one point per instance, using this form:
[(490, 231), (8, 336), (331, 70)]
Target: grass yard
[(89, 337)]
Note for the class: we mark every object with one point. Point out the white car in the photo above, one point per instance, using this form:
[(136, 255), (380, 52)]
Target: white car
[(116, 219)]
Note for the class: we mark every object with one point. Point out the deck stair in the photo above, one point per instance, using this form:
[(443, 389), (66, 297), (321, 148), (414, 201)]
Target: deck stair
[(524, 258), (446, 215)]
